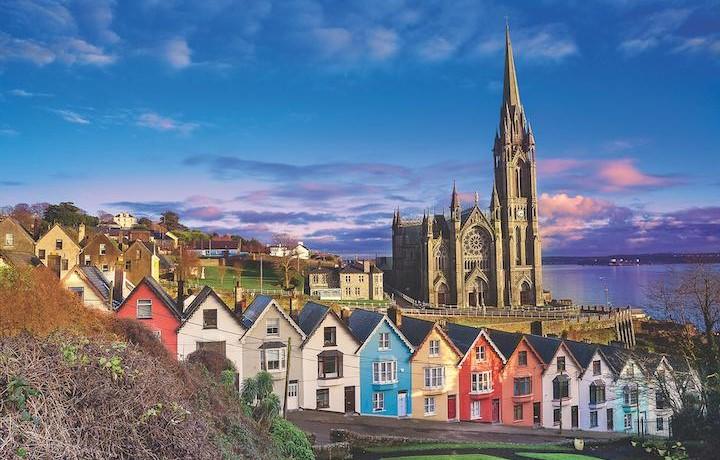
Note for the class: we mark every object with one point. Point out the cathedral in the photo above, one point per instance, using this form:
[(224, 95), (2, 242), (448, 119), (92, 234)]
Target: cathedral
[(474, 258)]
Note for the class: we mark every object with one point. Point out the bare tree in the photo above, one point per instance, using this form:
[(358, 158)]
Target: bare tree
[(222, 270), (187, 264), (286, 258)]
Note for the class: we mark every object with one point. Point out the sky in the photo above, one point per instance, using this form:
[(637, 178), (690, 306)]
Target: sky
[(317, 118)]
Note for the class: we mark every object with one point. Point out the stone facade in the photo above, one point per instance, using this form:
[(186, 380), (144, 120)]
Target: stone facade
[(355, 281), (473, 257), (13, 237), (59, 250)]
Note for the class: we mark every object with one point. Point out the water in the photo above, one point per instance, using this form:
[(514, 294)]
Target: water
[(626, 285)]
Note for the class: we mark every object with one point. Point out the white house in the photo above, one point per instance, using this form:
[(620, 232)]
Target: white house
[(91, 286), (663, 395), (330, 367), (299, 251), (269, 333), (596, 391), (630, 391), (208, 323), (125, 220)]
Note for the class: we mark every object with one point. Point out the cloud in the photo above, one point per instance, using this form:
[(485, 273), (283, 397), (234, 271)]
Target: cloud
[(10, 183), (436, 49), (158, 122), (619, 175), (23, 93), (544, 43), (71, 117), (382, 43), (177, 53), (66, 50), (8, 132)]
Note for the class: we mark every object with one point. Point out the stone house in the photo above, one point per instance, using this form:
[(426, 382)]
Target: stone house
[(139, 260), (14, 237), (59, 249), (101, 252), (361, 281)]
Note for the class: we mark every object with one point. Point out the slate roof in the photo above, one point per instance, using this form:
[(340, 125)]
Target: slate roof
[(363, 322), (462, 336), (546, 347), (20, 259), (255, 309), (320, 270), (415, 330), (97, 279), (615, 356), (583, 352), (162, 294), (506, 342), (200, 298), (351, 268), (311, 316)]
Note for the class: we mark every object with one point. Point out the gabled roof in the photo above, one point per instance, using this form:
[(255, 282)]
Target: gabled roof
[(313, 314), (415, 330), (22, 229), (89, 239), (616, 357), (95, 279), (464, 337), (546, 347), (506, 342), (583, 352), (363, 323), (199, 299), (20, 259), (256, 309), (70, 233), (351, 268), (159, 292)]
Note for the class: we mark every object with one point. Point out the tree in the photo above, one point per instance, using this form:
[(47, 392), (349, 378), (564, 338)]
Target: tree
[(104, 216), (222, 270), (187, 264), (257, 394), (253, 246), (286, 259), (29, 216), (145, 222), (171, 220), (69, 215)]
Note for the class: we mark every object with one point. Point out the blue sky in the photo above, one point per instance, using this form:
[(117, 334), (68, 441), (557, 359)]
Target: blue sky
[(317, 118)]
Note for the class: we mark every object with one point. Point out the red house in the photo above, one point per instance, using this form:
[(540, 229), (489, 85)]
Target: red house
[(152, 306), (479, 371)]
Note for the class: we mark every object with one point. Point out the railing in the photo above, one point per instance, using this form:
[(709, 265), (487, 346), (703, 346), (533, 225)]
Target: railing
[(490, 313)]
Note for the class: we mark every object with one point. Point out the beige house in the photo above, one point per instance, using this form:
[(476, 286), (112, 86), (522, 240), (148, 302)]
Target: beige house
[(91, 286), (210, 324), (265, 347), (101, 252), (125, 220), (355, 281), (330, 366), (139, 260), (59, 250), (14, 237)]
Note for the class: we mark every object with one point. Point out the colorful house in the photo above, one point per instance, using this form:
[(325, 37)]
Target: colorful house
[(521, 380), (630, 396), (663, 394), (269, 333), (330, 367), (595, 387), (91, 286), (209, 324), (385, 369), (479, 371), (434, 369), (150, 304)]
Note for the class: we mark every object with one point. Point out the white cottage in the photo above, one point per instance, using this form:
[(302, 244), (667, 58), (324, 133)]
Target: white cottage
[(596, 391), (208, 323), (330, 367), (91, 286), (269, 333)]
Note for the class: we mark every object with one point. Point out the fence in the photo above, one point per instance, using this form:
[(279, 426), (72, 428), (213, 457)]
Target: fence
[(491, 313)]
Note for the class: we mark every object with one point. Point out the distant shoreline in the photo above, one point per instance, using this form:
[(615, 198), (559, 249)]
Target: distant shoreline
[(634, 259)]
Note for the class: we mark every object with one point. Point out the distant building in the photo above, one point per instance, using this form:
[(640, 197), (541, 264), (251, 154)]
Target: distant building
[(59, 249), (300, 251), (125, 220), (355, 281), (216, 247), (141, 260)]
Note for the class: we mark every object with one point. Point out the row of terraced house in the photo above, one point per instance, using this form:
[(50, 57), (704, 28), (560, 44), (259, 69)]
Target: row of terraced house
[(391, 365)]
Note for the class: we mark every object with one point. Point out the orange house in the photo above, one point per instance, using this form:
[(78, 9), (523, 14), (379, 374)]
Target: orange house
[(521, 380)]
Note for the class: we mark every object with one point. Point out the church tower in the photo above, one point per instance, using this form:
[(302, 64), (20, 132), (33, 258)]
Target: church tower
[(515, 182)]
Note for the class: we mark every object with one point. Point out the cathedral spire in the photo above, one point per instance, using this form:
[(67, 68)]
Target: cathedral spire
[(455, 201), (511, 93)]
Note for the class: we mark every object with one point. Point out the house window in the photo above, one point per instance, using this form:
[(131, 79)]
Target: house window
[(361, 279), (103, 249), (560, 363), (522, 358), (65, 264), (481, 382), (105, 268), (630, 396), (347, 291), (434, 377), (378, 402), (610, 420), (210, 319), (660, 424), (347, 278), (434, 348), (9, 239), (384, 341), (79, 291), (322, 398), (41, 254), (128, 265), (597, 393), (630, 370), (597, 369), (475, 410), (430, 406), (357, 291), (144, 309), (329, 365), (593, 419), (628, 421), (87, 260), (557, 416), (522, 386), (272, 327), (561, 387), (272, 360), (292, 389), (517, 412), (58, 244), (659, 400), (384, 372), (137, 254), (480, 353), (158, 334), (330, 336)]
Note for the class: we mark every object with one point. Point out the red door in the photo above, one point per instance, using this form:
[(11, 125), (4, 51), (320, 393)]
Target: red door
[(452, 407)]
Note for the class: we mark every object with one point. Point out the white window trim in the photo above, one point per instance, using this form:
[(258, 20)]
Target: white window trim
[(281, 357), (476, 382), (378, 402), (267, 326), (473, 415), (381, 370), (137, 308), (426, 405), (380, 341), (434, 351), (434, 377)]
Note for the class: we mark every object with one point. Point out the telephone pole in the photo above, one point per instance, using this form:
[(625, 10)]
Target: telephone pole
[(287, 377), (261, 275)]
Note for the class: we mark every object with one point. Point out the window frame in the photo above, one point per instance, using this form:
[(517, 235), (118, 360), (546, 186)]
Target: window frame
[(594, 420), (325, 392), (518, 407), (206, 323), (378, 401), (272, 331), (434, 348), (429, 406), (481, 382), (333, 341), (519, 382), (384, 372), (146, 303), (384, 341), (434, 377), (522, 358)]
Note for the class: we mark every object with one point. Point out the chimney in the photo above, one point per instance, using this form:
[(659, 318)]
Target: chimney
[(366, 266), (395, 315), (118, 284), (180, 303), (81, 233), (345, 314), (443, 324)]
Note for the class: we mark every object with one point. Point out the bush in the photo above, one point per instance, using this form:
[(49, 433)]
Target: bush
[(136, 333), (214, 362), (292, 442)]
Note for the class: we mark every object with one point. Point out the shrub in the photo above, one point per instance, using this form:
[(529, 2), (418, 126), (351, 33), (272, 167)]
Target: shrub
[(136, 333), (214, 362), (292, 442)]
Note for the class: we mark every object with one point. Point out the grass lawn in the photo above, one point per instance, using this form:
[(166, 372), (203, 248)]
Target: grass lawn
[(448, 457), (555, 456), (249, 278), (469, 445)]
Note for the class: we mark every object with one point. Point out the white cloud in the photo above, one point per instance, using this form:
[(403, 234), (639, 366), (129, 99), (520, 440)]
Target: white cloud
[(23, 93), (333, 40), (545, 45), (436, 49), (67, 50), (382, 43), (71, 117), (158, 122), (8, 132), (177, 53)]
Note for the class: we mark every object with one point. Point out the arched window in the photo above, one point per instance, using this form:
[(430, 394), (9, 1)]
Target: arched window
[(518, 247), (561, 387), (478, 293), (529, 245), (526, 296), (441, 258), (476, 246), (442, 294)]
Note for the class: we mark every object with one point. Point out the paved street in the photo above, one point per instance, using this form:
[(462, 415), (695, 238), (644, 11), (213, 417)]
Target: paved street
[(320, 423)]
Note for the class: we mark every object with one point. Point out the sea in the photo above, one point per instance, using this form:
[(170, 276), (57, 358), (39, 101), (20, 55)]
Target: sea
[(618, 286)]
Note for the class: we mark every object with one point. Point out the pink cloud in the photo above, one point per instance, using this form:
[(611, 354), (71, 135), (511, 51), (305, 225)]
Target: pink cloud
[(622, 174), (558, 165), (563, 205)]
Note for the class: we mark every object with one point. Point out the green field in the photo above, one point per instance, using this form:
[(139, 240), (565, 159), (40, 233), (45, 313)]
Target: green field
[(249, 277), (448, 457), (468, 445)]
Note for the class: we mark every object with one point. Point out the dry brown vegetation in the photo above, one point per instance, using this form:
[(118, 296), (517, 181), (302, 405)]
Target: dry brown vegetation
[(79, 384)]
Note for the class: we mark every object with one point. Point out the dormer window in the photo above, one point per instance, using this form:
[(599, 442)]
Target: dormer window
[(480, 353), (103, 249), (330, 336), (561, 364), (210, 319), (272, 327), (522, 358)]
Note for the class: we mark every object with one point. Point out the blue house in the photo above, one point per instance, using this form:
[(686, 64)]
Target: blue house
[(385, 374)]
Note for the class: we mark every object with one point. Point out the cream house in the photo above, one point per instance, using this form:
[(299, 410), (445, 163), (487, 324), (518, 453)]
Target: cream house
[(210, 324), (59, 250), (269, 333), (560, 399), (330, 366), (91, 286)]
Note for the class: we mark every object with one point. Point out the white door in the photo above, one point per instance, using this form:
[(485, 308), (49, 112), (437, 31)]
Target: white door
[(474, 410), (292, 399), (402, 404)]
